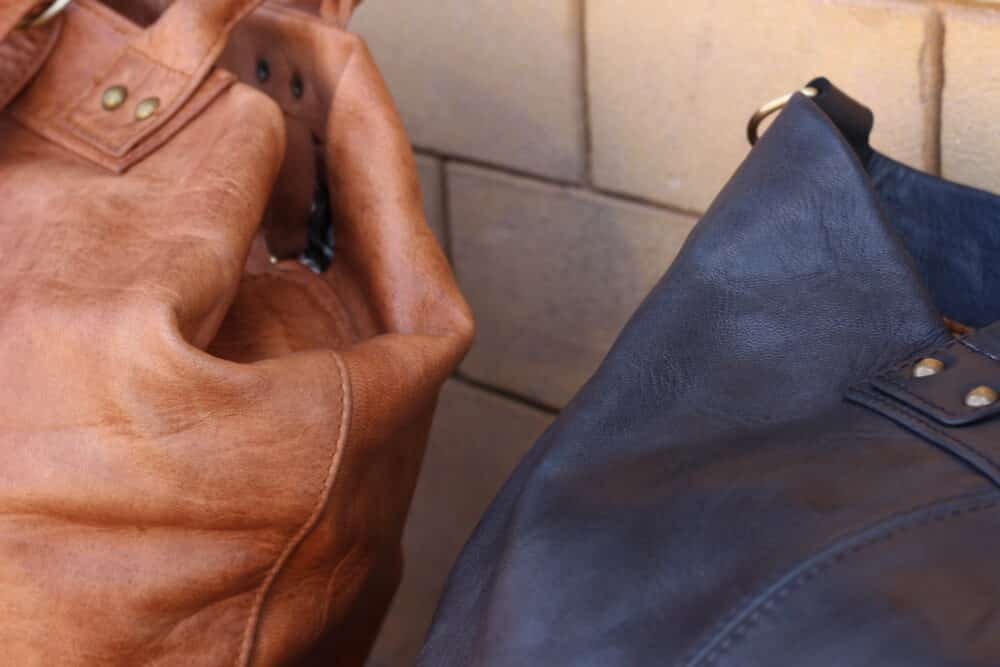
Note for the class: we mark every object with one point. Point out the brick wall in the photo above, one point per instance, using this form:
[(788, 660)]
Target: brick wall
[(568, 146)]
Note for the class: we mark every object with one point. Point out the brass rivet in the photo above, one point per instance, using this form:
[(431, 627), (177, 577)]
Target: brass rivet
[(981, 397), (273, 259), (114, 97), (927, 367), (147, 108)]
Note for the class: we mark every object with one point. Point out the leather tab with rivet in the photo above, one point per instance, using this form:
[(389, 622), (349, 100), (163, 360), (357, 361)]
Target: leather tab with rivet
[(956, 407), (169, 61)]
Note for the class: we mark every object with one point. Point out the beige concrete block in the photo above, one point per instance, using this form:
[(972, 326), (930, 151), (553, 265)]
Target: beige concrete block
[(477, 440), (430, 172), (672, 82), (552, 275), (970, 139), (499, 82)]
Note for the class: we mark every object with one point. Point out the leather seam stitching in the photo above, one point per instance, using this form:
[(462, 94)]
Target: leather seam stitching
[(976, 348), (886, 377), (256, 612), (933, 428), (187, 91), (105, 143), (925, 515), (921, 400), (134, 139)]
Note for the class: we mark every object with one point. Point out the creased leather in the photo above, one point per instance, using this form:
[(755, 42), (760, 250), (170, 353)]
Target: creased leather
[(22, 53), (710, 497), (201, 465), (12, 12)]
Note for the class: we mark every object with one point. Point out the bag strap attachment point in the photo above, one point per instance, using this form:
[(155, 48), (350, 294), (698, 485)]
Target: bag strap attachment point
[(168, 71), (773, 107)]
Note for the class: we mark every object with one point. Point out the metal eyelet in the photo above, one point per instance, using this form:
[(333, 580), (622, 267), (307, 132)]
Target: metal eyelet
[(298, 87), (263, 70), (774, 106), (37, 18)]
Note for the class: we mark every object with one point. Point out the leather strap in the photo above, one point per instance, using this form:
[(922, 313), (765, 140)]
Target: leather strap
[(854, 120), (934, 406), (168, 62), (171, 62)]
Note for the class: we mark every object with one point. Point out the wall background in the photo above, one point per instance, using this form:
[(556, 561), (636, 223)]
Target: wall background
[(568, 146)]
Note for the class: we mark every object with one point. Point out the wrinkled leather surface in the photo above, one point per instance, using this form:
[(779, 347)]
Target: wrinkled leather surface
[(201, 465), (723, 491), (22, 52)]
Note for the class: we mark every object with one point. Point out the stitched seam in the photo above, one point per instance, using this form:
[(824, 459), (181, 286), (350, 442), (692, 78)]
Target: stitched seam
[(886, 375), (950, 439), (254, 619), (169, 110), (105, 142), (901, 524), (921, 400), (976, 348)]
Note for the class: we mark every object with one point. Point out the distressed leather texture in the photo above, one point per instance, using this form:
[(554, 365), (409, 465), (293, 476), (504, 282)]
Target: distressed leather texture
[(22, 52), (206, 459), (300, 42), (754, 476)]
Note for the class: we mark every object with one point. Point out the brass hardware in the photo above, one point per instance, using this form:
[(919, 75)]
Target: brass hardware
[(37, 18), (981, 397), (147, 108), (927, 367), (771, 107), (114, 97), (272, 259)]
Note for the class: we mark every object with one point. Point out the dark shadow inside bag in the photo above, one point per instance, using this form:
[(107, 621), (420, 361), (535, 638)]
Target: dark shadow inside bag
[(951, 231)]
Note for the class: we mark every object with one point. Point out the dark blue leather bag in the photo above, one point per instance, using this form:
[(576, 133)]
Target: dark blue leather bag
[(789, 458)]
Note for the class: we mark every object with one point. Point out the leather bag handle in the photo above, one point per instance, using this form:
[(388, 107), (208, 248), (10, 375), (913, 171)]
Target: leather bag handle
[(191, 34)]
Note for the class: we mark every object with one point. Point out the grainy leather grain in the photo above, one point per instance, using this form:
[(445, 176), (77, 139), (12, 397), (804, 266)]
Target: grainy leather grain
[(754, 476), (201, 465)]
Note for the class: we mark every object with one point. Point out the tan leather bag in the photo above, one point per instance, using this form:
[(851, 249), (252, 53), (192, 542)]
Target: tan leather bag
[(206, 460)]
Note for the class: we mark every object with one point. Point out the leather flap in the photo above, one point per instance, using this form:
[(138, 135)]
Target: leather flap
[(969, 363)]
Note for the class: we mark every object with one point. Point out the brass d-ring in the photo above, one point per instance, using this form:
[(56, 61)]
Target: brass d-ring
[(771, 107), (38, 18)]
